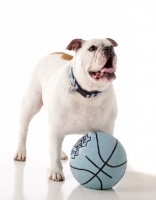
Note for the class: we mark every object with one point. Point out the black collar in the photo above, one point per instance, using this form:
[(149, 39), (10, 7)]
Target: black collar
[(76, 87)]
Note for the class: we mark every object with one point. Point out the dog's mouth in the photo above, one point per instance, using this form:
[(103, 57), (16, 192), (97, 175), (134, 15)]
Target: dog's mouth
[(107, 72)]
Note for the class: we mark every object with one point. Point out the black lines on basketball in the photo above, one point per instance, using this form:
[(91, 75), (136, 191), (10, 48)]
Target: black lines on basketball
[(110, 157), (98, 147), (105, 163), (98, 167), (95, 175), (112, 152), (99, 150), (116, 165)]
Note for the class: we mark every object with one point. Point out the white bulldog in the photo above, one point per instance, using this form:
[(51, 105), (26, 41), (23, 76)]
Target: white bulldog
[(77, 93)]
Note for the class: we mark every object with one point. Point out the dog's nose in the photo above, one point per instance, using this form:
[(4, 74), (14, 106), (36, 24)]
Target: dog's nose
[(108, 51), (108, 48)]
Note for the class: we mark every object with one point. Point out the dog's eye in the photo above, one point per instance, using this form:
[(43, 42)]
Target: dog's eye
[(92, 48)]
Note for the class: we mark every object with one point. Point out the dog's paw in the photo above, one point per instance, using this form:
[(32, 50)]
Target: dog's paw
[(20, 155), (64, 156), (56, 175)]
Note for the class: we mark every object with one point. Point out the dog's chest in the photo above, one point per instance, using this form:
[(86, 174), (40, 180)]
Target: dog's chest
[(84, 119)]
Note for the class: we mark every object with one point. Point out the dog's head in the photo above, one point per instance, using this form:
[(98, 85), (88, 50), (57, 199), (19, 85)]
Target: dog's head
[(94, 63)]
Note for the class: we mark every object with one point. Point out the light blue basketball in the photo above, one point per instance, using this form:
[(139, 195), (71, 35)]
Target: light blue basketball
[(98, 161)]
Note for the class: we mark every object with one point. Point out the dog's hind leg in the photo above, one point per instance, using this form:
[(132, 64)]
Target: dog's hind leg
[(31, 104), (64, 155)]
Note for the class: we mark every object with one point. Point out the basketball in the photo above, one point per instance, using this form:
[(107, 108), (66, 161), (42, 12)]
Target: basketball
[(98, 161)]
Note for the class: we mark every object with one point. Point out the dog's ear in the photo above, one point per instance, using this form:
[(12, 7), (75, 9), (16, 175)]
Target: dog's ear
[(75, 44), (112, 42)]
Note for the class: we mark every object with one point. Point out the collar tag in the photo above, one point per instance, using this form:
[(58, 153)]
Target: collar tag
[(71, 90)]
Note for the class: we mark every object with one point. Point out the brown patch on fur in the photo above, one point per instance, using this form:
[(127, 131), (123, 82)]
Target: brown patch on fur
[(64, 56)]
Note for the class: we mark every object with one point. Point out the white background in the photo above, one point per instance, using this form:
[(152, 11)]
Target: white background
[(32, 29)]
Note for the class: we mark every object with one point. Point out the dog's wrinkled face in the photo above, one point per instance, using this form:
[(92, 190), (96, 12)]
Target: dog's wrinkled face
[(95, 59), (102, 60)]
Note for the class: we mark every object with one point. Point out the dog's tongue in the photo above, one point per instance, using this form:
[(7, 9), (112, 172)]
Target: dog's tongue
[(108, 70)]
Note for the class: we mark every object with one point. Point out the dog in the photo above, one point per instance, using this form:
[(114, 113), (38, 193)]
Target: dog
[(77, 92)]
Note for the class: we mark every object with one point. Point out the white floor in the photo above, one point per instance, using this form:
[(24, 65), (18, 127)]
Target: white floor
[(28, 181)]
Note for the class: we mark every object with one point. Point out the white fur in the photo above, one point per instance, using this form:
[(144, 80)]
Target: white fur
[(68, 112)]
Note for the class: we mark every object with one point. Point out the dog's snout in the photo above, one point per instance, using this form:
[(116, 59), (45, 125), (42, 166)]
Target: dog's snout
[(108, 51), (108, 48)]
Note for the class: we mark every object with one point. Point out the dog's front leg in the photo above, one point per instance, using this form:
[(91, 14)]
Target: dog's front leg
[(56, 169)]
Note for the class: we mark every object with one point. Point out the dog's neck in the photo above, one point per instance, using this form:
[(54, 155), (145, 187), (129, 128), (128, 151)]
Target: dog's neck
[(76, 87)]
